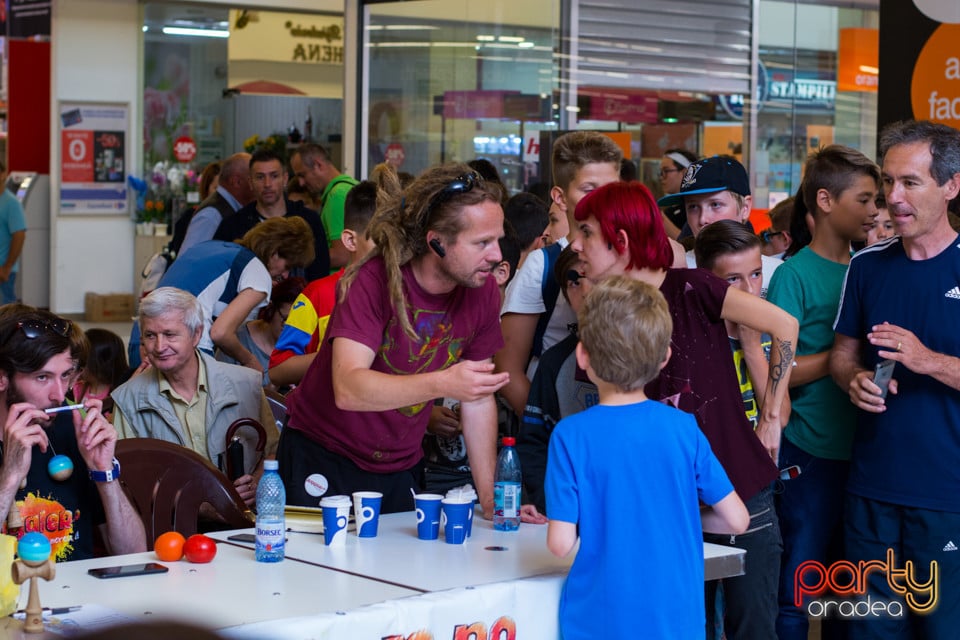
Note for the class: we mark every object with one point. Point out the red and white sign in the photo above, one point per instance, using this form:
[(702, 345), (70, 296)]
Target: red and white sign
[(184, 149), (394, 154), (531, 147), (77, 156)]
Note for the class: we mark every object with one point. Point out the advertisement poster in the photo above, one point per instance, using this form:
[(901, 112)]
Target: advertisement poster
[(918, 52), (93, 158), (28, 18)]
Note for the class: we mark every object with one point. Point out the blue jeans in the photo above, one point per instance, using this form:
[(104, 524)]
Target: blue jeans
[(919, 535), (750, 600), (810, 507), (8, 292)]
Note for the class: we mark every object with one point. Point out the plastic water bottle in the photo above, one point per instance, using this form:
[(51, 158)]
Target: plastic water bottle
[(506, 488), (271, 525)]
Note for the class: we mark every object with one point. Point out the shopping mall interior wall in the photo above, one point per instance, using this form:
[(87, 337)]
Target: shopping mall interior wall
[(95, 58)]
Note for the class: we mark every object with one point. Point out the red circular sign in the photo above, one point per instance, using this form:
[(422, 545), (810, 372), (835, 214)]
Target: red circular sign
[(184, 149), (394, 154)]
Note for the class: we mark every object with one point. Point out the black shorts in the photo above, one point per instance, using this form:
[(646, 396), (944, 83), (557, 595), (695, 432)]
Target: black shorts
[(305, 464)]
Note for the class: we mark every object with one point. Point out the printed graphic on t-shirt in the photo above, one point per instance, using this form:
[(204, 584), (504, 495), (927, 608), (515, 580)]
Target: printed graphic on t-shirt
[(49, 517), (434, 330)]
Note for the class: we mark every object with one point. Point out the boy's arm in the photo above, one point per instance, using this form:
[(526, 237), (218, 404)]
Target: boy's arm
[(743, 308), (291, 370), (562, 537), (518, 331), (757, 363), (809, 368), (729, 515)]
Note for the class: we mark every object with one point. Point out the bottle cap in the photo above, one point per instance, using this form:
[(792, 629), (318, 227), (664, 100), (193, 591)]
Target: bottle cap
[(270, 465), (509, 442)]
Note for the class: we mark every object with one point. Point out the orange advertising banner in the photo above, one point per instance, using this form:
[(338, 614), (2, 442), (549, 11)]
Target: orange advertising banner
[(858, 62)]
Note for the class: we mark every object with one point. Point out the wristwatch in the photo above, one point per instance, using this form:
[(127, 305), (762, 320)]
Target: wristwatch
[(106, 476)]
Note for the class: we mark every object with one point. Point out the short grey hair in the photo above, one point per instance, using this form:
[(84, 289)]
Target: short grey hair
[(166, 299), (944, 144)]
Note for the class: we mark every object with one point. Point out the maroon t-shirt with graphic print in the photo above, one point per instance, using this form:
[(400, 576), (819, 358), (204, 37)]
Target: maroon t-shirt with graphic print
[(461, 325), (700, 378)]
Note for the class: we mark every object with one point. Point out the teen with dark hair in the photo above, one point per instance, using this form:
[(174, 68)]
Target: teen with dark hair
[(40, 355)]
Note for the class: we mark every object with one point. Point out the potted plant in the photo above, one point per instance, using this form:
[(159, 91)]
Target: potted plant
[(145, 224)]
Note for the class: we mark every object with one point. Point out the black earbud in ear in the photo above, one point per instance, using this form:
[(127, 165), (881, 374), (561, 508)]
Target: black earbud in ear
[(437, 248)]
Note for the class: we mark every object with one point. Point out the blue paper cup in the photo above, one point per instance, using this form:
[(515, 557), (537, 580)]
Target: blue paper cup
[(428, 515), (336, 513), (462, 495), (456, 517), (366, 508)]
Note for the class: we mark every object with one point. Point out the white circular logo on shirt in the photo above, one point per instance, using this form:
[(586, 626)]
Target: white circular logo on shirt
[(316, 484)]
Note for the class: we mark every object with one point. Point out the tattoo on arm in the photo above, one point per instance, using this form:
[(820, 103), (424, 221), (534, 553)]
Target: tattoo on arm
[(779, 371)]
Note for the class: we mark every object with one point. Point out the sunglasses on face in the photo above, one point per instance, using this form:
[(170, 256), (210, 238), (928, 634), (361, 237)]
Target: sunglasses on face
[(34, 328), (462, 184), (768, 236)]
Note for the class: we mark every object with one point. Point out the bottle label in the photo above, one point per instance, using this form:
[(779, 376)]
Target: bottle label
[(270, 536), (507, 499)]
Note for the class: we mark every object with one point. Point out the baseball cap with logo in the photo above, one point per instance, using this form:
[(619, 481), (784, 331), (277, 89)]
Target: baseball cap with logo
[(717, 173)]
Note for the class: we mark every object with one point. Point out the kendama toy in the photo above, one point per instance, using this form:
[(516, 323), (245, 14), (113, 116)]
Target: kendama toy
[(33, 562)]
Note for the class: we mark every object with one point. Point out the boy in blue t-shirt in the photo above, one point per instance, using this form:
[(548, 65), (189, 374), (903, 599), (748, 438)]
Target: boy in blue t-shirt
[(628, 474)]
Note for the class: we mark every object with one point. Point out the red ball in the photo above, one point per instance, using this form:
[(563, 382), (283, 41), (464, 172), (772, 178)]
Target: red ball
[(199, 548)]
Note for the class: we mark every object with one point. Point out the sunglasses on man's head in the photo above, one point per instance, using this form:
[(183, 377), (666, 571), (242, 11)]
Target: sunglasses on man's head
[(35, 328), (461, 184)]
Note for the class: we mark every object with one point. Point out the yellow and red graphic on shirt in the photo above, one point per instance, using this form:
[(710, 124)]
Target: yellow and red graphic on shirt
[(49, 517), (435, 340)]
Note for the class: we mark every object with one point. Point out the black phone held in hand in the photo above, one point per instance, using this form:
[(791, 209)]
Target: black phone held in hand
[(128, 570), (882, 374)]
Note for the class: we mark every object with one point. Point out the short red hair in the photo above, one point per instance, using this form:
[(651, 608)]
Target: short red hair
[(629, 206)]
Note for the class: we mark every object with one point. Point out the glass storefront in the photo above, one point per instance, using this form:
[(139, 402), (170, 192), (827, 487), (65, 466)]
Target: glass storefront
[(446, 80), (440, 90)]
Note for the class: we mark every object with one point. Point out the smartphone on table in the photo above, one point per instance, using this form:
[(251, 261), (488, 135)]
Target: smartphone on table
[(128, 570)]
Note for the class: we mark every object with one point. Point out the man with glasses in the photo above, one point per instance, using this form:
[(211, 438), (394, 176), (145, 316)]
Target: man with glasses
[(40, 356), (416, 320)]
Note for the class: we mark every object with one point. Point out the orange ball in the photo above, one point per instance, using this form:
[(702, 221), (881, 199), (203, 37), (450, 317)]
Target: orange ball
[(169, 546)]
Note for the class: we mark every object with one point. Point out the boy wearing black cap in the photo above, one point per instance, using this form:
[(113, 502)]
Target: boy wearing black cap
[(717, 188)]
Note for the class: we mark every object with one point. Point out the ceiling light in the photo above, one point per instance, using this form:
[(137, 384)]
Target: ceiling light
[(511, 39), (525, 45), (203, 33)]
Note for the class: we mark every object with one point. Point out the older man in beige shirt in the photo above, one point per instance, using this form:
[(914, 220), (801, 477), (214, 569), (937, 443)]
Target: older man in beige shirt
[(187, 397)]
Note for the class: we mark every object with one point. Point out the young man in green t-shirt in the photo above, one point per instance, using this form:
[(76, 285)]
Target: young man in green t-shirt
[(840, 190)]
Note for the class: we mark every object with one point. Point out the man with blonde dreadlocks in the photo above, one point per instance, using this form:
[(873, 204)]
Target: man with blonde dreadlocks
[(416, 319)]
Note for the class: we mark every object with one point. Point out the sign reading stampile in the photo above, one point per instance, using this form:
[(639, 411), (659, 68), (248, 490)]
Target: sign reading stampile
[(93, 159)]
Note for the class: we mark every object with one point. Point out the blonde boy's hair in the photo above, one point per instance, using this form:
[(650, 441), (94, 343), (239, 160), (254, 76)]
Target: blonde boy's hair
[(625, 328), (576, 149)]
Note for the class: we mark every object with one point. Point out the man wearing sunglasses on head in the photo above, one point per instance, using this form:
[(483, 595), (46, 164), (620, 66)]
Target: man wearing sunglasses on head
[(58, 472), (416, 319)]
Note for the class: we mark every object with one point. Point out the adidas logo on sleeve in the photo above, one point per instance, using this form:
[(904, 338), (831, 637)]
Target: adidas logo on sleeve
[(953, 293)]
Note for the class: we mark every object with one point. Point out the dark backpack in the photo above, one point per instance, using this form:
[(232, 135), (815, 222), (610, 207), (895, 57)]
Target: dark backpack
[(550, 289)]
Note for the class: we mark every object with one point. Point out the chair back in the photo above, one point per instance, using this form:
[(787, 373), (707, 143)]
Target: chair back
[(278, 406), (168, 484)]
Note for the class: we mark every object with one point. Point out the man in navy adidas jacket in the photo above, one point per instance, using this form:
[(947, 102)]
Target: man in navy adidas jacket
[(900, 302)]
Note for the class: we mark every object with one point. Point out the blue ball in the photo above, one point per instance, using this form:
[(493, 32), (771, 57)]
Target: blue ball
[(60, 467), (33, 547)]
